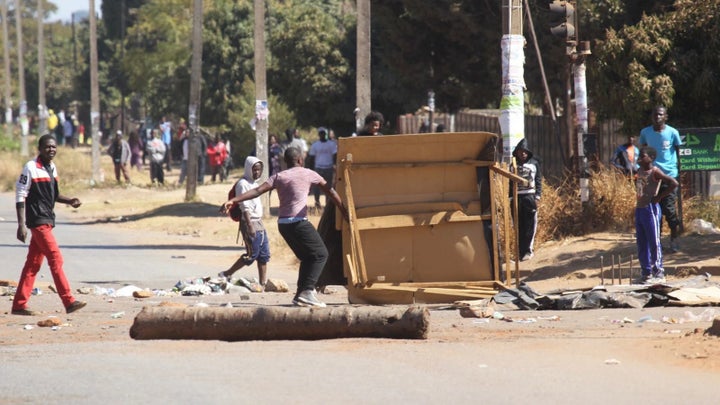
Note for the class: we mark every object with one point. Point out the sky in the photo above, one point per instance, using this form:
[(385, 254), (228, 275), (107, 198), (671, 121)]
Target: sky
[(67, 7)]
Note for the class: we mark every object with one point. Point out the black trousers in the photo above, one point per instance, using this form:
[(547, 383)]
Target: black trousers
[(309, 248), (526, 223), (157, 172)]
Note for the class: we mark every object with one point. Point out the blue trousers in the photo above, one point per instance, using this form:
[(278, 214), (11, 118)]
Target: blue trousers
[(309, 247), (647, 227)]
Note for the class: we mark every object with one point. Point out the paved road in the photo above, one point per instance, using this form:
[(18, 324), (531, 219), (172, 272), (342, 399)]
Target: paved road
[(463, 362)]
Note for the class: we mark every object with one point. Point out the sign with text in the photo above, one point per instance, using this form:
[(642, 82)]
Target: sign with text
[(700, 150)]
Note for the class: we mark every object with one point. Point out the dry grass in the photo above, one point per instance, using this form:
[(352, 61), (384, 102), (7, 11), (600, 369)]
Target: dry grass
[(611, 207), (74, 167)]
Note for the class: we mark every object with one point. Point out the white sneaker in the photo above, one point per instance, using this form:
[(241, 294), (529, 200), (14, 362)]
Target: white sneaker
[(308, 298)]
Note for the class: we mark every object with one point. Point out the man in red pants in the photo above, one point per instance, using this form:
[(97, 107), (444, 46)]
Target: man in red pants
[(36, 192)]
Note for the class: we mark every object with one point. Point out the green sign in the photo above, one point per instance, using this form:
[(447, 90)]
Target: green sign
[(700, 150)]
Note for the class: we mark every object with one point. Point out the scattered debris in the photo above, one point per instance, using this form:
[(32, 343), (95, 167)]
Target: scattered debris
[(276, 285), (612, 362), (49, 322), (142, 294), (714, 330)]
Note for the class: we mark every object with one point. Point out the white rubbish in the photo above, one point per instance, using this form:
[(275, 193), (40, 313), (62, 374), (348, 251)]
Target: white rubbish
[(612, 362), (126, 291), (702, 227), (705, 316), (117, 315)]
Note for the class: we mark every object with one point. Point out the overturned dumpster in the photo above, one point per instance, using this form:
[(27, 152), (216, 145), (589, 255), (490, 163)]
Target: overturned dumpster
[(423, 218)]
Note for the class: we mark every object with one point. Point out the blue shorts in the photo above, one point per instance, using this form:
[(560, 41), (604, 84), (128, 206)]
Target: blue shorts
[(258, 248)]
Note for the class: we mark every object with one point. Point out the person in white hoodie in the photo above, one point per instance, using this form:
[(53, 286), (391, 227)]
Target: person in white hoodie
[(251, 224)]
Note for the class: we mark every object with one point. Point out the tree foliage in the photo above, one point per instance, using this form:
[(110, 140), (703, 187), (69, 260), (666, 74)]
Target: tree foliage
[(449, 46), (645, 52), (227, 57), (669, 57), (308, 66), (157, 55)]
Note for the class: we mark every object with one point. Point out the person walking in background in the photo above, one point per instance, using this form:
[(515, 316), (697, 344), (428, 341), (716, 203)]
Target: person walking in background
[(157, 150), (166, 132), (136, 148), (322, 158), (119, 151), (177, 140), (202, 158), (528, 167), (185, 148), (293, 186), (36, 192), (666, 141), (216, 154), (274, 151), (68, 132), (52, 121), (257, 247), (625, 157), (648, 216), (228, 163), (81, 133)]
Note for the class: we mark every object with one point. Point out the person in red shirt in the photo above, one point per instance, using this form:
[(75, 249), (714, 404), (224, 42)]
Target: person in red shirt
[(217, 153)]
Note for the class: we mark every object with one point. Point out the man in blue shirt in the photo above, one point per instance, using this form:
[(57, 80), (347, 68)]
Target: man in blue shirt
[(666, 140)]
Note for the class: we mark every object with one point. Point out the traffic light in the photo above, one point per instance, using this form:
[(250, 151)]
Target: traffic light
[(566, 29)]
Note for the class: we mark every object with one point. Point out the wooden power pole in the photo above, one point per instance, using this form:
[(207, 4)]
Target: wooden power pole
[(21, 82), (97, 175), (194, 107), (512, 116), (261, 101), (8, 84), (42, 108), (362, 78)]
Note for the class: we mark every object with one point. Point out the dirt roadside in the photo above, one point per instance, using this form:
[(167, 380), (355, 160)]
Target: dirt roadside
[(569, 264)]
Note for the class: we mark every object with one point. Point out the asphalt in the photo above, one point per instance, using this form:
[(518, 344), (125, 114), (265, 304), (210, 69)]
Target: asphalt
[(583, 357)]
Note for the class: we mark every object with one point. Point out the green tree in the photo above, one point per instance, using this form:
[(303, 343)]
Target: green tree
[(308, 67), (668, 57), (227, 57), (157, 56), (449, 46)]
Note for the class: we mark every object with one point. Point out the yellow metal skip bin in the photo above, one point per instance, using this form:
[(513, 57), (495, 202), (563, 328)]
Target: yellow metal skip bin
[(419, 206)]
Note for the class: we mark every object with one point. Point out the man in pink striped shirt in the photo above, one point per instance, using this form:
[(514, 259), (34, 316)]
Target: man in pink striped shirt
[(293, 186)]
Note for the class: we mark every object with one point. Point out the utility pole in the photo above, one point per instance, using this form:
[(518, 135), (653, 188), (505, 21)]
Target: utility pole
[(261, 102), (6, 59), (566, 28), (362, 78), (512, 104), (72, 19), (24, 125), (97, 176), (194, 107), (42, 108), (122, 57)]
